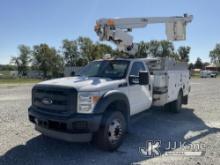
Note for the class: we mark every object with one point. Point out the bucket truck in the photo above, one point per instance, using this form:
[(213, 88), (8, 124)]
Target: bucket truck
[(98, 102)]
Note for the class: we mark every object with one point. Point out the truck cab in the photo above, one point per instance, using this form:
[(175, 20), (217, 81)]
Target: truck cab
[(97, 103)]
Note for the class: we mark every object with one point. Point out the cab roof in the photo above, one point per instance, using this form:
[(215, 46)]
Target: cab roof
[(130, 59)]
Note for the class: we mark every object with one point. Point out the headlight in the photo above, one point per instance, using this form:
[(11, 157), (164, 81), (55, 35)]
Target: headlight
[(87, 101)]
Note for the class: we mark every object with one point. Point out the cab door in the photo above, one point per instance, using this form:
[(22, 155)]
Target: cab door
[(140, 97)]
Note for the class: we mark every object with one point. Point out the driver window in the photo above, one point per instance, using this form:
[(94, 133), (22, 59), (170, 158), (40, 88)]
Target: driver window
[(136, 68)]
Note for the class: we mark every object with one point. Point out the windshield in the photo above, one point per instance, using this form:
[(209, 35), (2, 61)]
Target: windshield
[(114, 69)]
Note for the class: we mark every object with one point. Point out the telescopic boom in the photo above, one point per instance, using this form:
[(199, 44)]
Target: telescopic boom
[(117, 30)]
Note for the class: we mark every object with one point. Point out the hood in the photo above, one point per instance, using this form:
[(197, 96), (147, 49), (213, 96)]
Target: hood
[(85, 83)]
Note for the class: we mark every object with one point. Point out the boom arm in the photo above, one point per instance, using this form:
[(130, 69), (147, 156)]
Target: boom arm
[(116, 30)]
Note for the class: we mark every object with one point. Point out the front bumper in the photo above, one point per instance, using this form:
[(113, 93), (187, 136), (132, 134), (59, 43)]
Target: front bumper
[(74, 128)]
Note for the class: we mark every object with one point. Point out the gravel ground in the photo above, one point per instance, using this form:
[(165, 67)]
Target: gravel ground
[(198, 123)]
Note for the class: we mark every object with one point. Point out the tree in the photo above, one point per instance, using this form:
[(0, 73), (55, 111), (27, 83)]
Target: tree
[(198, 64), (79, 52), (47, 60), (153, 48), (70, 51), (167, 49), (104, 49), (190, 66), (23, 60), (156, 49), (183, 53), (142, 49), (86, 48), (215, 54), (90, 51), (58, 64), (7, 67), (81, 62), (117, 53), (206, 64)]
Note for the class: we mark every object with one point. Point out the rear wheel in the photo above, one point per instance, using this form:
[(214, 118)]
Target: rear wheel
[(176, 105), (112, 131)]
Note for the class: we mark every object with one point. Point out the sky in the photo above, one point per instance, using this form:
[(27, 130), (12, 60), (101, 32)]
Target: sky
[(32, 22)]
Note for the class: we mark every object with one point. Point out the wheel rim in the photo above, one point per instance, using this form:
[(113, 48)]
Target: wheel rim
[(115, 131)]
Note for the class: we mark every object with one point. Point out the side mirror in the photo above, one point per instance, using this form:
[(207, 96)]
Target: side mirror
[(143, 78)]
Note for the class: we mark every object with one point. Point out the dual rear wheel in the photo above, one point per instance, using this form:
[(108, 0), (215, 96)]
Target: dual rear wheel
[(176, 105)]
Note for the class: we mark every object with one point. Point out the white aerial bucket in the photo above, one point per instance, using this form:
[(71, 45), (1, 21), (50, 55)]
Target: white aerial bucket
[(176, 31)]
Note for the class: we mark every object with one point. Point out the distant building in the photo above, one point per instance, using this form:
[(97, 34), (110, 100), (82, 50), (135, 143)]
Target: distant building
[(34, 74), (196, 70), (14, 73), (68, 71), (213, 67), (30, 74)]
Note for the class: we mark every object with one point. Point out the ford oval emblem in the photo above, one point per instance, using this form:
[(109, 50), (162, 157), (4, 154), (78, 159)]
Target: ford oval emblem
[(47, 101)]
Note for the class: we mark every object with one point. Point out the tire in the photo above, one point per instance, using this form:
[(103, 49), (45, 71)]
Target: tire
[(112, 131), (166, 107), (176, 105)]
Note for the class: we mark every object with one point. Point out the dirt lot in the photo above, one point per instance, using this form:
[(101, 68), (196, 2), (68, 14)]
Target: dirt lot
[(198, 123)]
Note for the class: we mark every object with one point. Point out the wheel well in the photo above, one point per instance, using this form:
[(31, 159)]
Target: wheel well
[(121, 106), (118, 106)]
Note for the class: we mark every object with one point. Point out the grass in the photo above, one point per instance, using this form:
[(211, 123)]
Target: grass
[(196, 75), (6, 78), (18, 81), (5, 74)]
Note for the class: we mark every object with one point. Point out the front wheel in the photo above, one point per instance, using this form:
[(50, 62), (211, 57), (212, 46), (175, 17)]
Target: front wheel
[(112, 131)]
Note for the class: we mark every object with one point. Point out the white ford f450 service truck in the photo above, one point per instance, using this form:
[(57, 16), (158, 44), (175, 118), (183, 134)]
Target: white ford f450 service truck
[(98, 102)]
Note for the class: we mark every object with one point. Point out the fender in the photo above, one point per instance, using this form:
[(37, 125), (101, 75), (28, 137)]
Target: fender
[(109, 98)]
